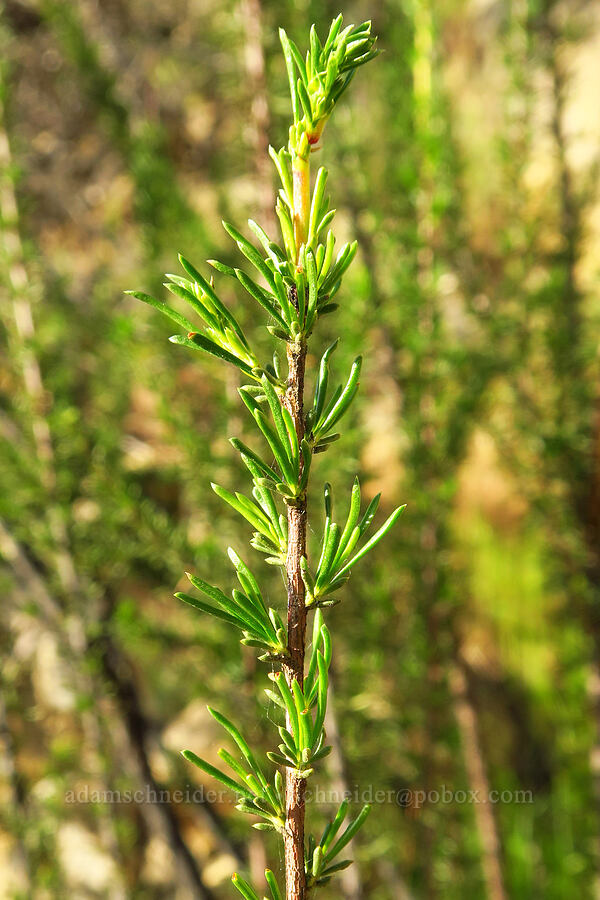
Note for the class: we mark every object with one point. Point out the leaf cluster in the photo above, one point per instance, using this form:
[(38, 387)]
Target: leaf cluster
[(303, 737), (261, 627), (318, 80), (295, 283), (339, 546), (257, 796), (248, 892), (320, 864), (222, 335)]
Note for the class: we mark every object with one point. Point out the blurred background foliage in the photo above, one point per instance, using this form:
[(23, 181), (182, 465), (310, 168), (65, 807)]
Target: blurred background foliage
[(469, 644)]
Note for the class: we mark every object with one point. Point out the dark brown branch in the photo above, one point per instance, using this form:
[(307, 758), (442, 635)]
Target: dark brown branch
[(294, 669)]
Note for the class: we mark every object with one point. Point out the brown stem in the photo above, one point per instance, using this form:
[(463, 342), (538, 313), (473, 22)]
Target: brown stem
[(295, 786)]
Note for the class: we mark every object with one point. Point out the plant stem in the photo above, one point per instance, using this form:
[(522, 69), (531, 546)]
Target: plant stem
[(295, 787), (301, 177)]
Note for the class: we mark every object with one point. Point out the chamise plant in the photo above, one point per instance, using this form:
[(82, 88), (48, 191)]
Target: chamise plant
[(295, 281)]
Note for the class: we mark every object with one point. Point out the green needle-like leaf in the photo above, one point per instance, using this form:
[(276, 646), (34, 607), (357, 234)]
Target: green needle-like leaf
[(321, 386), (216, 773), (207, 608), (369, 514), (251, 254), (333, 827), (253, 457), (247, 892), (239, 740), (276, 411), (334, 413), (337, 867), (290, 705), (316, 205), (261, 296), (281, 164), (328, 555), (273, 886), (246, 508), (316, 643), (374, 540), (163, 308), (317, 861), (221, 267), (323, 683), (211, 296), (313, 288), (278, 449), (349, 833), (200, 342), (352, 520), (198, 307), (232, 763), (289, 62)]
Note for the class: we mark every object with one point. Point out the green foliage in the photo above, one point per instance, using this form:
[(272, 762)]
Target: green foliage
[(299, 279), (338, 546), (248, 892), (318, 80), (261, 627), (472, 298), (257, 797), (320, 862), (303, 743)]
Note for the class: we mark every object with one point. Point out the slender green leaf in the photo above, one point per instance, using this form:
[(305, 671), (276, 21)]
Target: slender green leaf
[(332, 829), (232, 763), (351, 521), (210, 294), (289, 703), (248, 510), (260, 295), (216, 773), (317, 861), (281, 165), (328, 555), (349, 833), (221, 267), (247, 892), (345, 399), (198, 307), (163, 308), (369, 514), (200, 342), (276, 411), (336, 867), (317, 203), (374, 540), (231, 729), (273, 886), (322, 382), (245, 451), (279, 451), (289, 62), (207, 608), (251, 253)]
